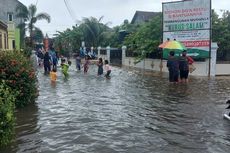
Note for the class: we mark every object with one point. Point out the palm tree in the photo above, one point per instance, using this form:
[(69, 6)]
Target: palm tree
[(90, 30), (37, 36), (94, 31), (30, 17)]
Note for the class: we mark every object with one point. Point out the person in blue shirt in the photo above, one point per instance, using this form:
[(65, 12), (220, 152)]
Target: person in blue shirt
[(78, 62), (54, 57), (100, 67), (82, 54)]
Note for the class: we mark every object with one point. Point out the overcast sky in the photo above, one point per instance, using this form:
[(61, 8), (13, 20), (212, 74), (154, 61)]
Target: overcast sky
[(114, 11)]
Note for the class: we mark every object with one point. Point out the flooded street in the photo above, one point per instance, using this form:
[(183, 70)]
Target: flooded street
[(131, 113)]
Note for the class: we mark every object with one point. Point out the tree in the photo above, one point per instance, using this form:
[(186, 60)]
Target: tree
[(37, 36), (69, 39), (145, 38), (94, 31), (30, 17), (112, 37), (128, 27), (91, 30), (221, 34)]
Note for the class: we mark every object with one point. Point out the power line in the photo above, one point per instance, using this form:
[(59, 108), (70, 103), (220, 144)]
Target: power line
[(36, 3), (69, 10), (57, 25)]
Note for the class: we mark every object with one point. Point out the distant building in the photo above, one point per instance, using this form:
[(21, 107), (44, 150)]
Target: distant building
[(138, 18), (8, 17), (143, 16), (3, 36), (8, 11)]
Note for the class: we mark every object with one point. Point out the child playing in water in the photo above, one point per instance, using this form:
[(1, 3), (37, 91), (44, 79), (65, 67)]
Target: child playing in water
[(65, 68), (53, 75), (100, 67), (86, 64), (69, 63), (107, 69), (78, 62)]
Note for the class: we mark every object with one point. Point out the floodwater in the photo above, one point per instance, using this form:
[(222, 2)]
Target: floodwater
[(130, 113)]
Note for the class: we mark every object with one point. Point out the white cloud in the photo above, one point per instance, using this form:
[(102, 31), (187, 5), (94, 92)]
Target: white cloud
[(114, 11)]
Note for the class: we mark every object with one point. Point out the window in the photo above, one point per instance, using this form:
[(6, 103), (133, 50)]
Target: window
[(1, 40), (10, 16), (5, 41), (13, 44)]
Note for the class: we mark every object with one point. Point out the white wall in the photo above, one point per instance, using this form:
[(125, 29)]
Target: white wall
[(154, 65), (202, 68), (222, 69), (104, 57)]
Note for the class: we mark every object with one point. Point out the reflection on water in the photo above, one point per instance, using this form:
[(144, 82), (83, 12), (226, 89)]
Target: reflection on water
[(131, 113), (27, 131)]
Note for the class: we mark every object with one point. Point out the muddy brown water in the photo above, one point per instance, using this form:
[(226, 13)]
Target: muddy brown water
[(130, 113)]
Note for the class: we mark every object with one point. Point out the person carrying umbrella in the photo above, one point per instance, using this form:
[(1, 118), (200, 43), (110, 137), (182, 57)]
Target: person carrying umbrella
[(173, 67), (172, 63)]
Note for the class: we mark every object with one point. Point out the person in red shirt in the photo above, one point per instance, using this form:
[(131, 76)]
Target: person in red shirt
[(190, 64), (184, 62)]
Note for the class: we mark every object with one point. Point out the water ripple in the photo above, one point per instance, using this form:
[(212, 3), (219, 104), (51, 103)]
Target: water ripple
[(131, 113)]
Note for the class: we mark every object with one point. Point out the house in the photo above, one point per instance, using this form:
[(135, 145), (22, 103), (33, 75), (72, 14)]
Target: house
[(8, 17), (3, 36), (138, 18), (143, 16)]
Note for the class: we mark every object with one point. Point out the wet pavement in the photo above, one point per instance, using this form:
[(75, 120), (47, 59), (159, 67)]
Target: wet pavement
[(130, 113)]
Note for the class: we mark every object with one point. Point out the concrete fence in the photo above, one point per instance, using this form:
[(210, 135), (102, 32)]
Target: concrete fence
[(204, 68), (103, 56), (160, 66)]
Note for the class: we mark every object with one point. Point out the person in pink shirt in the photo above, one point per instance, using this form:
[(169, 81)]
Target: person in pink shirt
[(107, 69), (86, 64)]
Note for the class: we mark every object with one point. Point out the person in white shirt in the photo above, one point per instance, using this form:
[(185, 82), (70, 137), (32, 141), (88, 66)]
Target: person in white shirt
[(107, 69)]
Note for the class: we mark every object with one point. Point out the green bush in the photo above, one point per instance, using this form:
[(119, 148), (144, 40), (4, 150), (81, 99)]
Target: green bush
[(7, 100), (18, 73), (27, 51)]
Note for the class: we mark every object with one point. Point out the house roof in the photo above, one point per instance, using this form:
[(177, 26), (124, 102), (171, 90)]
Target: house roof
[(9, 6), (3, 25), (20, 3), (143, 16)]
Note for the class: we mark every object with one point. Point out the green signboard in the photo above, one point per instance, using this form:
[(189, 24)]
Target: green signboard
[(194, 53)]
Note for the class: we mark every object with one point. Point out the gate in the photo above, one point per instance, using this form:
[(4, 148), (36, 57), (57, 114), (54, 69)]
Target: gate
[(116, 56)]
